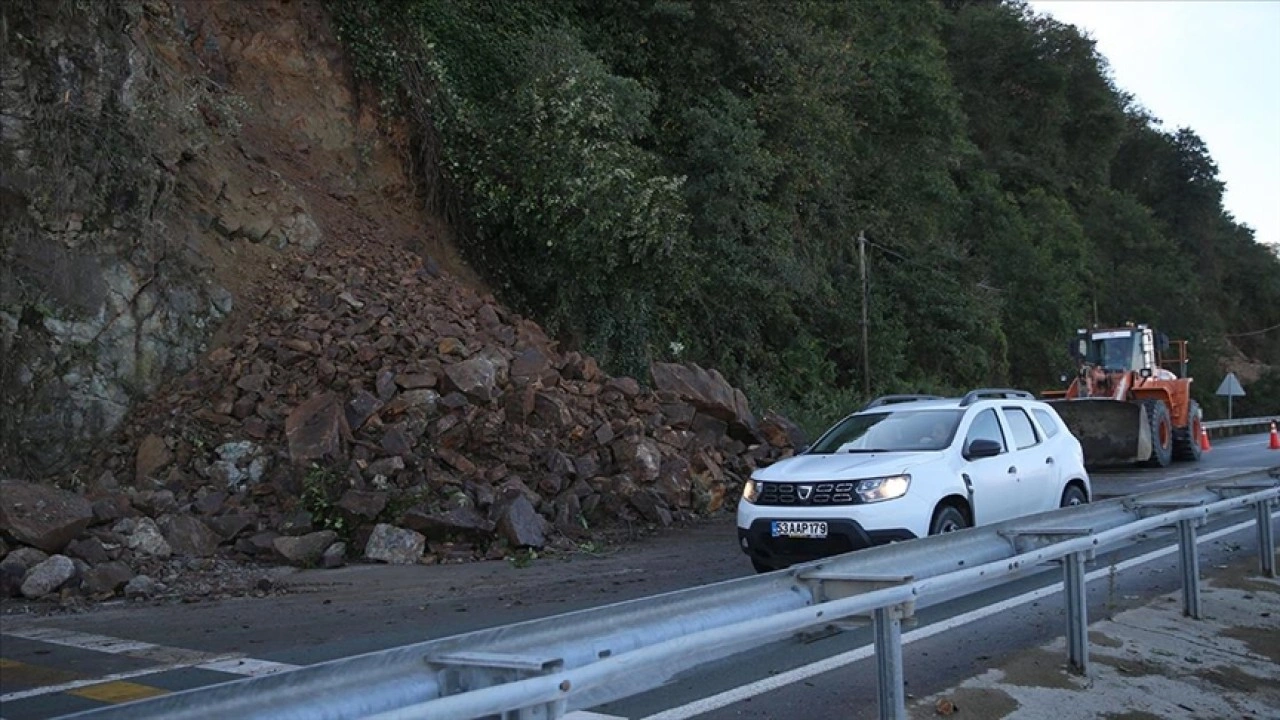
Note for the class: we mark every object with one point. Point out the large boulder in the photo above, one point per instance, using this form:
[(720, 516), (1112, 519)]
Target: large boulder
[(638, 455), (153, 456), (48, 576), (437, 525), (521, 524), (188, 536), (533, 364), (305, 550), (364, 503), (42, 516), (14, 567), (316, 428), (780, 432), (107, 578), (393, 545), (476, 378), (143, 536), (709, 392)]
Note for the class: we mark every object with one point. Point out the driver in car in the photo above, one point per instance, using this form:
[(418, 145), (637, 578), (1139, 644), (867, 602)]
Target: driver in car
[(937, 434)]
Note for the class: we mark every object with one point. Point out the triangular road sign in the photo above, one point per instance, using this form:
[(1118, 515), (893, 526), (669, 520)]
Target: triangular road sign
[(1230, 386)]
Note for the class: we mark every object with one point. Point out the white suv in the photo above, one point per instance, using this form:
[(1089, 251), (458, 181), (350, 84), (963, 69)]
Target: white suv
[(906, 466)]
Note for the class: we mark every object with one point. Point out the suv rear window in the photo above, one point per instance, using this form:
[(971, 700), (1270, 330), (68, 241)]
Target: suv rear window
[(1047, 421), (1024, 433)]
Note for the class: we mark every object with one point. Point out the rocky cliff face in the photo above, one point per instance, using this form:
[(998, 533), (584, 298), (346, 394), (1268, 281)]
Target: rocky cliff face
[(157, 156), (97, 294)]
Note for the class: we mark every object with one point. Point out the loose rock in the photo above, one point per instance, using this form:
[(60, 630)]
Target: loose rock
[(141, 587), (306, 550), (48, 576), (521, 525), (107, 578), (335, 556), (393, 545), (42, 516), (144, 536), (187, 535)]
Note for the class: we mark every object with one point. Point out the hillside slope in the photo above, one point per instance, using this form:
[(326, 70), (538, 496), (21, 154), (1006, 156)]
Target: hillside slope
[(338, 382)]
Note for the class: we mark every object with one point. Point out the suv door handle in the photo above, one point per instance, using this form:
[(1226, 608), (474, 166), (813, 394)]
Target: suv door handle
[(1048, 461), (1013, 470)]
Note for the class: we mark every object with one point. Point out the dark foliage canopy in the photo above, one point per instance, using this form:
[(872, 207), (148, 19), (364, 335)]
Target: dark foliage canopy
[(686, 179)]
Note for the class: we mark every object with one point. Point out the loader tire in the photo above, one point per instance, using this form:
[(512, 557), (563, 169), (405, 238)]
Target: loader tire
[(1161, 433), (1186, 440)]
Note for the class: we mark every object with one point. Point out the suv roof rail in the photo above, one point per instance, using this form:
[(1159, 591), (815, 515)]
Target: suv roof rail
[(896, 399), (998, 393)]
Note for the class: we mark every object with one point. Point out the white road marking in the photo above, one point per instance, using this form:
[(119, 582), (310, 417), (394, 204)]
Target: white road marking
[(86, 682), (759, 687), (247, 666), (169, 658), (86, 641)]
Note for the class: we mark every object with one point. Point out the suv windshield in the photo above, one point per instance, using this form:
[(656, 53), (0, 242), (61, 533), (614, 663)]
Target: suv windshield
[(901, 431)]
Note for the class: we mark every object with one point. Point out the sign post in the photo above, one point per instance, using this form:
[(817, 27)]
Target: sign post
[(1231, 388)]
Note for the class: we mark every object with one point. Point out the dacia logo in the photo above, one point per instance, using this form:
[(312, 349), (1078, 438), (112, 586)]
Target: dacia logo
[(804, 491)]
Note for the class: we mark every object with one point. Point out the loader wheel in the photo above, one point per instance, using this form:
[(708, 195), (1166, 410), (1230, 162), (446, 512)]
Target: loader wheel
[(1186, 440), (1161, 433)]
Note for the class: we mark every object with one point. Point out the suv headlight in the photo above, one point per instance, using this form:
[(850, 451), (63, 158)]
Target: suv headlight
[(885, 488), (751, 490)]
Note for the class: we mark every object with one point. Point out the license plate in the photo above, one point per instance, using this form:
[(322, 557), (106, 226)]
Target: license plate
[(800, 528)]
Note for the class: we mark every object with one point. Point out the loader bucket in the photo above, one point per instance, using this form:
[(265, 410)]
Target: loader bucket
[(1111, 432)]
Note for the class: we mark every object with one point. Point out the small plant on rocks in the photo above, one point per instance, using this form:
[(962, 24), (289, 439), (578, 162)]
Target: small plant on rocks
[(320, 488)]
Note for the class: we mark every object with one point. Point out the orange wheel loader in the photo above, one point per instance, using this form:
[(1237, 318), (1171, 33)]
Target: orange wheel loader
[(1125, 405)]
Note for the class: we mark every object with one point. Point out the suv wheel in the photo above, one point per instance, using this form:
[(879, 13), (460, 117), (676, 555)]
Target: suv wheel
[(1073, 496), (947, 518)]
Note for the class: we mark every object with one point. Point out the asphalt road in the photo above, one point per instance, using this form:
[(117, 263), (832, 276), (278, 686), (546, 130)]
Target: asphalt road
[(56, 664)]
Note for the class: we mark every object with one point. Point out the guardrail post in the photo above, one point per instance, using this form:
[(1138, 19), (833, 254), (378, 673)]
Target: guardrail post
[(1077, 613), (1266, 539), (1189, 561), (888, 646), (553, 710)]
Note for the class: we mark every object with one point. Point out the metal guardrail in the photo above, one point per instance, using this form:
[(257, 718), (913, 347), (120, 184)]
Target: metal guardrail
[(544, 668), (1239, 423)]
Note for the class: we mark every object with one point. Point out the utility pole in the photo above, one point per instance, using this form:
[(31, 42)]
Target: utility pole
[(866, 297)]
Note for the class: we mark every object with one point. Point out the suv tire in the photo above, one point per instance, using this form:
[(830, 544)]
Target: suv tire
[(1073, 495), (947, 518)]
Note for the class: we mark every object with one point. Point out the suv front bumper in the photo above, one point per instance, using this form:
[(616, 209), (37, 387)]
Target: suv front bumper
[(843, 535)]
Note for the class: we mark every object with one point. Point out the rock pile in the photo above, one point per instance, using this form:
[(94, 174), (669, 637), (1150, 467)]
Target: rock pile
[(375, 405)]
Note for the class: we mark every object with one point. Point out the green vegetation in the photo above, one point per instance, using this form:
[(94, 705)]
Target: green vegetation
[(651, 175), (321, 489)]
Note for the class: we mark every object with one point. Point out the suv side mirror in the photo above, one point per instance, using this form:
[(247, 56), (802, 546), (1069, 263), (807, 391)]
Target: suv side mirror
[(982, 448)]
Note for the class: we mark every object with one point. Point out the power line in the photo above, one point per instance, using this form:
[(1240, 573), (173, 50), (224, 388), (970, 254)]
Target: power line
[(1253, 332), (890, 251)]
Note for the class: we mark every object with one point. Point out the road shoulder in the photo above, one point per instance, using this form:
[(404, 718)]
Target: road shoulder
[(1146, 662)]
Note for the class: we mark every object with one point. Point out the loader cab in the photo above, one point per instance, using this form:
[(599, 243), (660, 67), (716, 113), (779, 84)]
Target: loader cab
[(1129, 349)]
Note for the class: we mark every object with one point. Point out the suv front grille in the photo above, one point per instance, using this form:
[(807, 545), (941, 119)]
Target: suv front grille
[(799, 494)]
